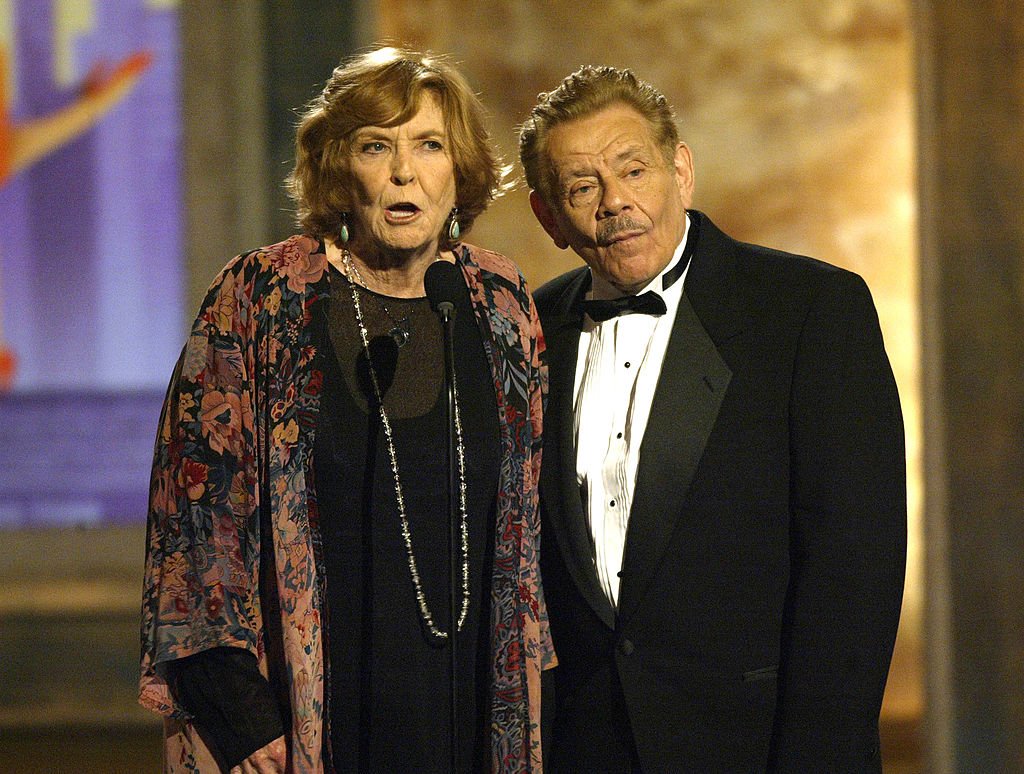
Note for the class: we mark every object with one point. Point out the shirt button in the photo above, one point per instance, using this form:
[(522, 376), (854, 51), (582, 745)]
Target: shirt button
[(626, 647), (618, 435), (628, 364), (612, 503)]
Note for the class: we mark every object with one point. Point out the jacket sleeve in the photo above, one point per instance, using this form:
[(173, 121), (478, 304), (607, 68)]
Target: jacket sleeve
[(202, 538), (538, 397), (848, 538)]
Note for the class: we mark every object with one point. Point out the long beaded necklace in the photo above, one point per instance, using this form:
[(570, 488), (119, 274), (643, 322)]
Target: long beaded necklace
[(355, 280)]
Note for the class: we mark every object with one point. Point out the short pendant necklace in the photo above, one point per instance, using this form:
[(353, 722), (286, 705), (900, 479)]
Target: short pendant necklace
[(421, 599), (399, 327)]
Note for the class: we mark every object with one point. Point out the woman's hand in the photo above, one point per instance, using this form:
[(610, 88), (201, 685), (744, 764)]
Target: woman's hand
[(269, 759)]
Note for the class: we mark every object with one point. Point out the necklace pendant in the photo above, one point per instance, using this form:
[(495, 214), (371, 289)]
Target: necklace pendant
[(400, 335)]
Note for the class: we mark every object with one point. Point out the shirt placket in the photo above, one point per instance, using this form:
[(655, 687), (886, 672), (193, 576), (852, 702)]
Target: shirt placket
[(615, 471)]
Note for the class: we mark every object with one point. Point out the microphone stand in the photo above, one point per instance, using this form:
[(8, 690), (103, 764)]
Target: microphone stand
[(447, 311)]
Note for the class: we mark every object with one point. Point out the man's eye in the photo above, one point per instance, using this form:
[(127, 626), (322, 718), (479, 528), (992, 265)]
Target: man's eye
[(374, 147), (433, 145), (635, 172)]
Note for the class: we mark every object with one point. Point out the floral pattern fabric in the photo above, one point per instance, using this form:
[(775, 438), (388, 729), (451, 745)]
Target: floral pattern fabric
[(232, 539)]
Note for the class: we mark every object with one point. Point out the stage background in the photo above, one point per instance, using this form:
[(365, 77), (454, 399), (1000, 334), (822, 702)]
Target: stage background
[(838, 129)]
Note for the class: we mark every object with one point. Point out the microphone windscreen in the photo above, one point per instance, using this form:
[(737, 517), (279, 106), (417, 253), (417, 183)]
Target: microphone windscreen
[(443, 283)]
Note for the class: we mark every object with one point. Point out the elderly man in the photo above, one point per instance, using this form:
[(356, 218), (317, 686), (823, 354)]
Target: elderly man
[(723, 491)]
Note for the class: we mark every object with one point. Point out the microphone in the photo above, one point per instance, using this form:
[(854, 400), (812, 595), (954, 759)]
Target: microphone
[(443, 283)]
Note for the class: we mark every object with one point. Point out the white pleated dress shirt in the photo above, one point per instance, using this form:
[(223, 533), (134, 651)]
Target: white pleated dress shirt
[(617, 370)]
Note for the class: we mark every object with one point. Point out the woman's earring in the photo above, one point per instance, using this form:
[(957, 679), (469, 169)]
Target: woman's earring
[(343, 233), (453, 225)]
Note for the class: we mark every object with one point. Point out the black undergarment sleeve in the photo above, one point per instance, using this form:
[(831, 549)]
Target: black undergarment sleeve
[(232, 703)]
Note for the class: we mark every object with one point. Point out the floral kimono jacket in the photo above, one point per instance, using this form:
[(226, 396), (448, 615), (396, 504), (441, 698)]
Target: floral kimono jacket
[(233, 544)]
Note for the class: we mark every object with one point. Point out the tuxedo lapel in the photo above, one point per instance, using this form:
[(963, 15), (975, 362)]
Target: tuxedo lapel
[(690, 391), (560, 494)]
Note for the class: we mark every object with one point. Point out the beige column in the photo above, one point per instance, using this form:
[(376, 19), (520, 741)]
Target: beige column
[(971, 155), (225, 137)]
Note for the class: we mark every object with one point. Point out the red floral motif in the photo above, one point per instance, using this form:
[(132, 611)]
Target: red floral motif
[(526, 595), (194, 475), (297, 261), (278, 410), (213, 607), (221, 420), (316, 382), (505, 303), (512, 655)]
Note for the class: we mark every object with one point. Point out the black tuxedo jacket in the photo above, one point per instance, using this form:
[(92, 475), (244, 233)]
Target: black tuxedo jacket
[(763, 569)]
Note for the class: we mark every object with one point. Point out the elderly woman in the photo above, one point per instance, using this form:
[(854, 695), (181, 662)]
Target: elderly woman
[(296, 608)]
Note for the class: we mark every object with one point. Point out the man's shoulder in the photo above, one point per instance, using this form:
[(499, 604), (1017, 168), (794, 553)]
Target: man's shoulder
[(775, 277), (774, 259), (731, 281), (761, 270), (761, 259), (772, 267), (559, 291)]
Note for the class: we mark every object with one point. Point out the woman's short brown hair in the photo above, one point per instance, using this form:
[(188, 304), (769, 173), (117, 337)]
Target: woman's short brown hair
[(383, 87), (585, 92)]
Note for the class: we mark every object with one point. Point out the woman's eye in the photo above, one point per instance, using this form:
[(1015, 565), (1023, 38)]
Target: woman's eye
[(433, 145), (374, 147)]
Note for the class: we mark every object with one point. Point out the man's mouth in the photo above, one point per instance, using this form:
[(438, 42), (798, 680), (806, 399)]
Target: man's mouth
[(620, 236), (620, 230)]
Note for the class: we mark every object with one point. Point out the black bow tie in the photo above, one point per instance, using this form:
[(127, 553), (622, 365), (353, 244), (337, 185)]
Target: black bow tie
[(646, 303)]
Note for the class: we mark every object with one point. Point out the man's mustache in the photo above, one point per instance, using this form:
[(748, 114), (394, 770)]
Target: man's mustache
[(610, 230)]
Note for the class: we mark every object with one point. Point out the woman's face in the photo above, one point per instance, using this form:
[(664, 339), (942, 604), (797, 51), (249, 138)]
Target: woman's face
[(404, 182)]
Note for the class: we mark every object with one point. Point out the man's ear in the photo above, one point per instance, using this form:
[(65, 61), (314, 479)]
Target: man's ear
[(547, 220), (683, 163)]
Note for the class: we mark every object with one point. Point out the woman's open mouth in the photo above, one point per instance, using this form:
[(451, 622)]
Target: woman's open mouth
[(401, 213)]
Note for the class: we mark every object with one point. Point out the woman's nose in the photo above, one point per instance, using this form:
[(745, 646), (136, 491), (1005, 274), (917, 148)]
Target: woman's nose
[(401, 167)]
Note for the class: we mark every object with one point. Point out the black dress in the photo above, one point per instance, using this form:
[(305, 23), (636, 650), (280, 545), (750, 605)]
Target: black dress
[(388, 675), (388, 691)]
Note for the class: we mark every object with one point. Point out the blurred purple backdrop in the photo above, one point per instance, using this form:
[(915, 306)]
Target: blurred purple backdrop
[(91, 270)]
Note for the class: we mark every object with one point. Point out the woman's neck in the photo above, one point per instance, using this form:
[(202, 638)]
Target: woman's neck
[(395, 275)]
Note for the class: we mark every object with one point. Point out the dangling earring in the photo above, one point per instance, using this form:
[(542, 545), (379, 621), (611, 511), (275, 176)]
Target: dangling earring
[(343, 233), (453, 225)]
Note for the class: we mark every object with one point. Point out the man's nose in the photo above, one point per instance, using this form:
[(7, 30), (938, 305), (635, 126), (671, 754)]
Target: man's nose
[(614, 199)]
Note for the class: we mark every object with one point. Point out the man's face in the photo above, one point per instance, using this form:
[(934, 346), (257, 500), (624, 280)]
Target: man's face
[(614, 198)]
